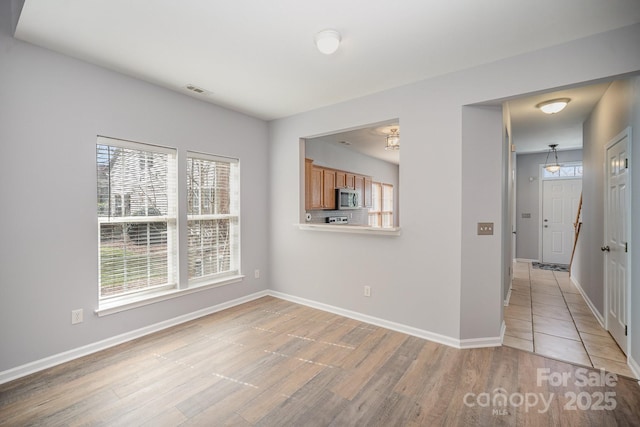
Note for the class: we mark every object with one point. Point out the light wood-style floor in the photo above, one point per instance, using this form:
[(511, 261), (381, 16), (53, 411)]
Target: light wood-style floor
[(548, 315), (274, 363)]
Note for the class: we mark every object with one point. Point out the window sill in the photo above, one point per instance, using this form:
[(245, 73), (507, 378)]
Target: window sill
[(127, 303), (354, 229)]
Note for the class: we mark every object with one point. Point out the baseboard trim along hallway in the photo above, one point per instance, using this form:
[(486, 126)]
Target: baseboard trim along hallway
[(48, 362)]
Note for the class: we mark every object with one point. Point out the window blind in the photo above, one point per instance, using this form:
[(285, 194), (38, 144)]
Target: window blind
[(213, 208), (136, 216)]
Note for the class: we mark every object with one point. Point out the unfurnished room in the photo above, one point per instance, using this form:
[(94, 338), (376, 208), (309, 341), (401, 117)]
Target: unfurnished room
[(337, 213)]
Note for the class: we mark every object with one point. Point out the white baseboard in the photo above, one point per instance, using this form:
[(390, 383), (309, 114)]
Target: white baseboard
[(56, 359), (634, 366), (48, 362), (480, 342), (526, 260), (398, 327), (409, 330), (508, 298), (599, 317)]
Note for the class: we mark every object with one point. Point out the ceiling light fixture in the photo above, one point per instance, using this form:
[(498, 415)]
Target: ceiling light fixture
[(554, 167), (553, 106), (328, 41), (393, 140)]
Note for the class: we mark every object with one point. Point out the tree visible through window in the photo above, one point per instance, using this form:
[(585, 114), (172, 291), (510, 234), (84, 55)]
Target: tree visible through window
[(213, 205), (138, 222), (136, 216)]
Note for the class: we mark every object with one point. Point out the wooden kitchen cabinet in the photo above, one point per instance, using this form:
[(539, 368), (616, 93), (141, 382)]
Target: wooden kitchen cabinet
[(351, 180), (359, 180), (317, 193), (320, 188), (364, 187), (308, 164), (321, 183), (329, 189)]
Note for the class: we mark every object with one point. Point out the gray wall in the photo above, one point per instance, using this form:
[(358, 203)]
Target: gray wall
[(333, 156), (482, 278), (52, 107), (422, 278), (634, 349), (528, 199), (611, 116)]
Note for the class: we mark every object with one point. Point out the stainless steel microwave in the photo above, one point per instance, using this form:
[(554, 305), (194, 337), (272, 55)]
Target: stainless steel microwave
[(346, 198)]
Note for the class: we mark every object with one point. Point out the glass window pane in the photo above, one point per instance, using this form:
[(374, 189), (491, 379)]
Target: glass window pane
[(134, 181)]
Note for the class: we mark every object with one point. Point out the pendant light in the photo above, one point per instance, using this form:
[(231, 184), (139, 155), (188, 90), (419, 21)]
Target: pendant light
[(393, 140), (553, 167)]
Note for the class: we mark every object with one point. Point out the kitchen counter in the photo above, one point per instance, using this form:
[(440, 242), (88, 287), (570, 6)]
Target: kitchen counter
[(350, 228)]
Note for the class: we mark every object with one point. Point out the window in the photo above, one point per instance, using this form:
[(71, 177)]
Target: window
[(137, 241), (138, 221), (566, 171), (381, 211), (213, 205)]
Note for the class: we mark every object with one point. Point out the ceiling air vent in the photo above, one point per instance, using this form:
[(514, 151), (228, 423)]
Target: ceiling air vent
[(197, 90)]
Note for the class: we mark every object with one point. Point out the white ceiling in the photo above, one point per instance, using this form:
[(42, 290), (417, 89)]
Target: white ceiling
[(369, 140), (532, 130), (258, 57)]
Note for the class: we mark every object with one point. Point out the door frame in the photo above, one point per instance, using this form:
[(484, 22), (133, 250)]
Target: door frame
[(541, 180), (625, 133)]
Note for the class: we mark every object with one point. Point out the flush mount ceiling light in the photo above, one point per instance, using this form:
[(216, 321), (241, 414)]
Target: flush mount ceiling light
[(553, 105), (553, 167), (328, 41), (393, 140)]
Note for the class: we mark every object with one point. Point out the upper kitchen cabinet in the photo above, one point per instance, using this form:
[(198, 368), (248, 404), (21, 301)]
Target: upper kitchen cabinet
[(328, 189), (321, 184)]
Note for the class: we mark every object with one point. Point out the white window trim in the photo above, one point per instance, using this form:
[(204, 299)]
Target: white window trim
[(127, 302), (170, 219), (120, 303), (213, 280)]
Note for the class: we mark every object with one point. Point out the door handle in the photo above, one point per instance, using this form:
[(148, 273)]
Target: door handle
[(546, 220), (605, 249)]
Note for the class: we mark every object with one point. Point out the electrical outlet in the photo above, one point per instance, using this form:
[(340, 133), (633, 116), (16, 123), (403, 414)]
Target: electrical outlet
[(256, 273), (77, 316), (367, 291)]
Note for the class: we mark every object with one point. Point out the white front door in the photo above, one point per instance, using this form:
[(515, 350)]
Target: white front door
[(615, 245), (560, 199)]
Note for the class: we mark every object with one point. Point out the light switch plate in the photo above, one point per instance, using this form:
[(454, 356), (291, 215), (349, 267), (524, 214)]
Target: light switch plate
[(485, 229)]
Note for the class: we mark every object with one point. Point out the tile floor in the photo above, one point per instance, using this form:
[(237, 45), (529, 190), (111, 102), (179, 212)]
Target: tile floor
[(548, 316)]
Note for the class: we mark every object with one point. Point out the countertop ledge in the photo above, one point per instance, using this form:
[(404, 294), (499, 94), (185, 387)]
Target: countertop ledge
[(353, 229)]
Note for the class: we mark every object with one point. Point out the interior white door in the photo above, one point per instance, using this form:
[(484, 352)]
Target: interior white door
[(615, 246), (560, 200)]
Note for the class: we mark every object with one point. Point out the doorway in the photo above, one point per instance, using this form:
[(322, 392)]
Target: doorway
[(596, 296), (616, 216), (560, 199)]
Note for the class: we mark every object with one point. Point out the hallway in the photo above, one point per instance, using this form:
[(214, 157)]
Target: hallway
[(548, 316)]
